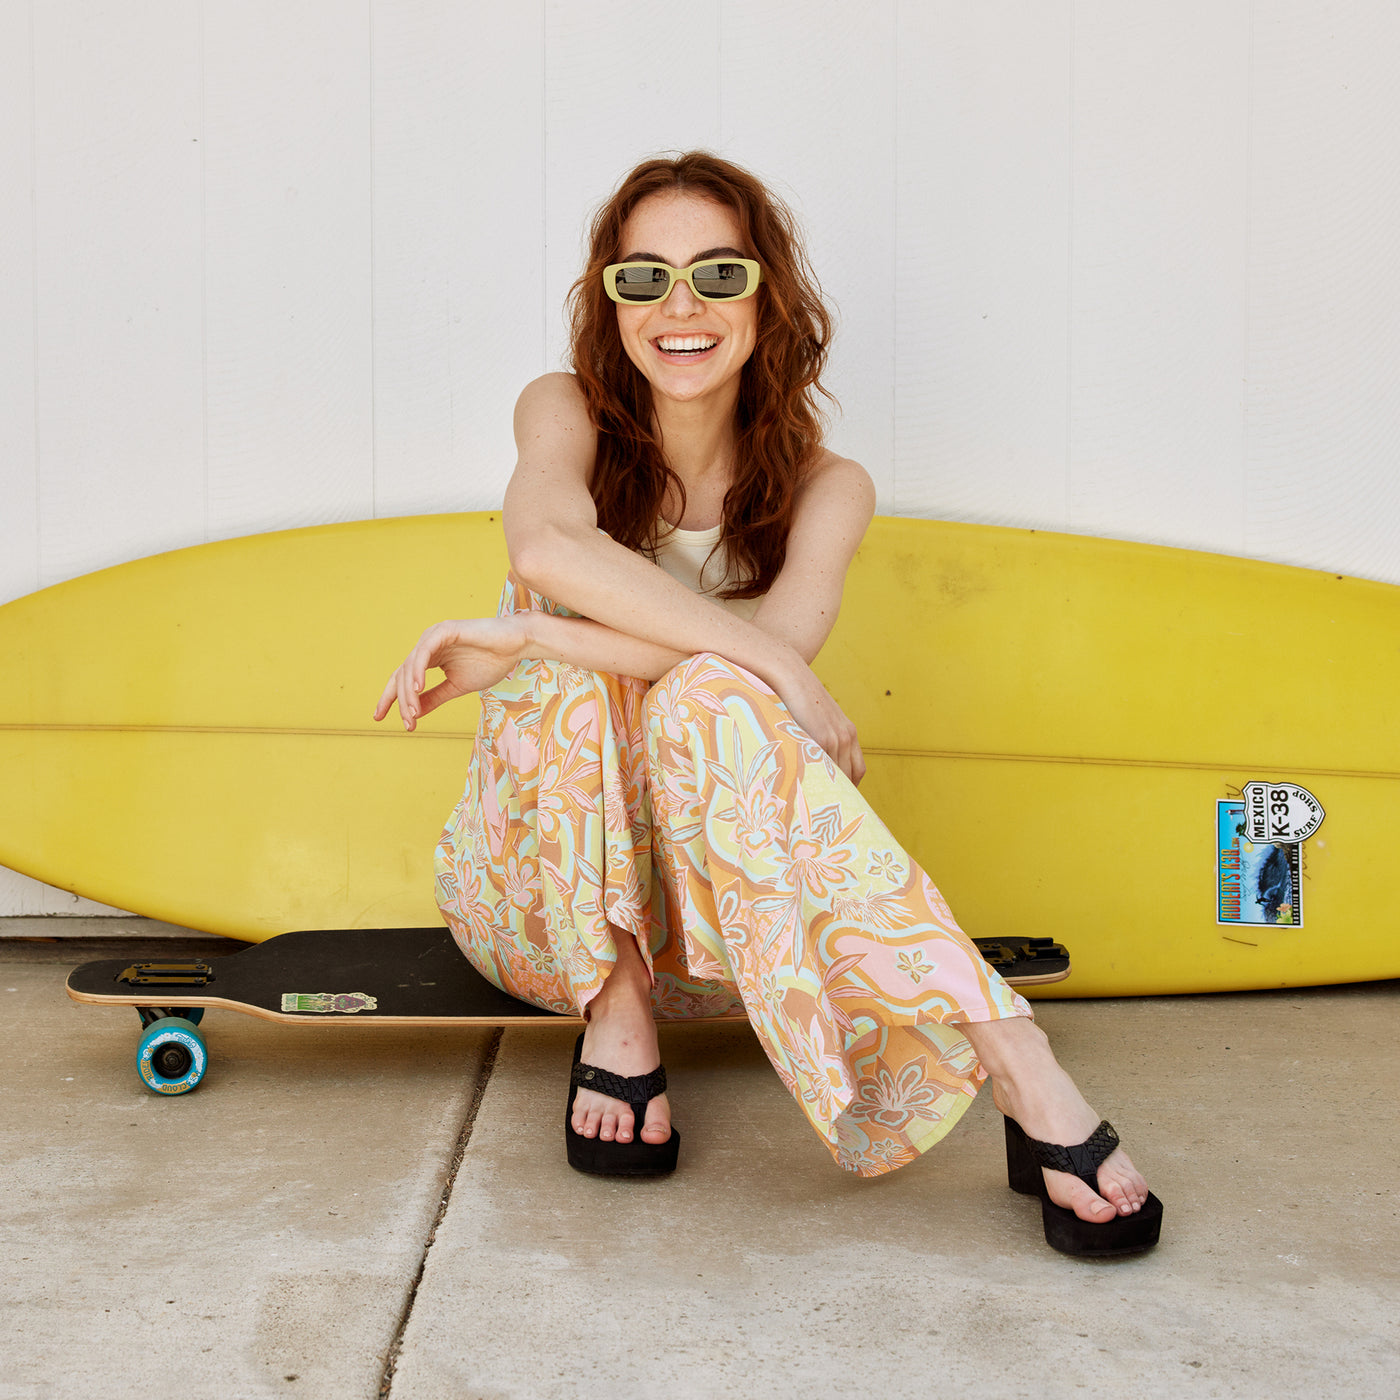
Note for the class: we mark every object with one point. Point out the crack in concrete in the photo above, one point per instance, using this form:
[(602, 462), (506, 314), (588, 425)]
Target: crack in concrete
[(391, 1361)]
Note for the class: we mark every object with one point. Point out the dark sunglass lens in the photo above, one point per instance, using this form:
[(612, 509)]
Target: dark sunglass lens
[(718, 280), (642, 282)]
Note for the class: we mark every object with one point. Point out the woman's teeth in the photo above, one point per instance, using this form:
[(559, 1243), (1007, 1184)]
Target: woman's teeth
[(686, 344)]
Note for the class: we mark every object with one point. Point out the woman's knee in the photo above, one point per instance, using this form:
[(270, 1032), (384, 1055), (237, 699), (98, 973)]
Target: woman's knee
[(708, 680)]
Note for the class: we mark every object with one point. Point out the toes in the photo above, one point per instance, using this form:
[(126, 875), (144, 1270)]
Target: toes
[(1073, 1194), (1096, 1208), (1126, 1197), (1121, 1191), (616, 1123), (1093, 1207), (592, 1118), (1122, 1184), (605, 1119), (610, 1120), (657, 1128), (1119, 1197)]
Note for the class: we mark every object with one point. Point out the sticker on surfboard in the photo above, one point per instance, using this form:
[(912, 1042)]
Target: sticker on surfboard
[(1280, 811), (1257, 882), (345, 1003)]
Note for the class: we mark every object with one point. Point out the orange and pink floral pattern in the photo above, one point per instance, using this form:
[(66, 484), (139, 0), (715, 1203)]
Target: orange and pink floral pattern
[(699, 818)]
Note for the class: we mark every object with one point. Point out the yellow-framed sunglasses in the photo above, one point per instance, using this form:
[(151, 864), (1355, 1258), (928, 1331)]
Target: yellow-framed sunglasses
[(711, 279)]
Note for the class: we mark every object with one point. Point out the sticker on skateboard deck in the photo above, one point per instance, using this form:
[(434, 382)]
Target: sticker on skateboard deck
[(344, 1002)]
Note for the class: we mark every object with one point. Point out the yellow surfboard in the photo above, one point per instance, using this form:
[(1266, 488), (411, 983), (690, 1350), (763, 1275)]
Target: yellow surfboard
[(1062, 730)]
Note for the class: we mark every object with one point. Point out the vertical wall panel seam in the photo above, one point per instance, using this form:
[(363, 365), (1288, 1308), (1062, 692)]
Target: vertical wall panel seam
[(373, 321), (719, 76), (544, 186), (204, 272), (1250, 87), (718, 13), (895, 251), (1069, 277), (34, 294), (453, 178)]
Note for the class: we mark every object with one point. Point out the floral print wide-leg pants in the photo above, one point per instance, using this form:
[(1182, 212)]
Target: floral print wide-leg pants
[(698, 817)]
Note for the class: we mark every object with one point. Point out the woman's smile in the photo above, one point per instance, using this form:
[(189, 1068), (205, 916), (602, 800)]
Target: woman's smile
[(686, 349)]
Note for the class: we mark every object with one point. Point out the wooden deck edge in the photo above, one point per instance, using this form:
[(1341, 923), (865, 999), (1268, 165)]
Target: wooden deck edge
[(536, 1018)]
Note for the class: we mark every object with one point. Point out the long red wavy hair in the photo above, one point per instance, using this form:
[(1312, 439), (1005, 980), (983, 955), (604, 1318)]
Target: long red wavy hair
[(779, 427)]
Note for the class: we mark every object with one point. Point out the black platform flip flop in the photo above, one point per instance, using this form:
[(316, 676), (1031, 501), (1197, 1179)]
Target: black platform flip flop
[(635, 1158), (1064, 1230)]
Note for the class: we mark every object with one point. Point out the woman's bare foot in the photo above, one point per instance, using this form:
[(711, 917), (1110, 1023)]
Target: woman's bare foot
[(1029, 1085), (621, 1036)]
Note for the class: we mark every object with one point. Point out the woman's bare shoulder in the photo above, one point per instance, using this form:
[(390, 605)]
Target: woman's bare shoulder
[(551, 403), (835, 478)]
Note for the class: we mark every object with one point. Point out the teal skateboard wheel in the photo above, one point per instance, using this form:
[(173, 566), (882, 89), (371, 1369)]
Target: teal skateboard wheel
[(171, 1058)]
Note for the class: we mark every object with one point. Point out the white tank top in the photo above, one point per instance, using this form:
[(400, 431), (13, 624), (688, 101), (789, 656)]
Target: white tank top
[(684, 555)]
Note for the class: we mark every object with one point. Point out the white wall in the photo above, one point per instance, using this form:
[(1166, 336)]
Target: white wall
[(1114, 266)]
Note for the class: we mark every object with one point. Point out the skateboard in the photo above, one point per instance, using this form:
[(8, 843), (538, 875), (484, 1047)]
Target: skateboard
[(384, 977)]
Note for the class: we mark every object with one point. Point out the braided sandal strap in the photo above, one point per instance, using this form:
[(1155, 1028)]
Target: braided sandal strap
[(637, 1089), (1083, 1159)]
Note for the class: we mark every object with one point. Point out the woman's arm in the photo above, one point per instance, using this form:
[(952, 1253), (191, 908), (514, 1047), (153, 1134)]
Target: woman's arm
[(832, 514), (479, 652)]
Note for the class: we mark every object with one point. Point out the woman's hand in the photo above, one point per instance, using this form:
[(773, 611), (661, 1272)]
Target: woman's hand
[(473, 655), (810, 704)]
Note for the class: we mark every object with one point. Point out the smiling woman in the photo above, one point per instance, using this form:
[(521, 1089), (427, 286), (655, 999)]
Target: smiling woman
[(661, 815), (778, 331)]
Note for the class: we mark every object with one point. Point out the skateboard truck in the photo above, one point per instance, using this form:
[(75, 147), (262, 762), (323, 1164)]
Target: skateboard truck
[(173, 975), (1027, 959), (167, 974), (997, 950)]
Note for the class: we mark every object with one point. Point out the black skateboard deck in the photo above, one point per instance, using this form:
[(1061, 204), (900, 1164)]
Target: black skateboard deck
[(394, 977)]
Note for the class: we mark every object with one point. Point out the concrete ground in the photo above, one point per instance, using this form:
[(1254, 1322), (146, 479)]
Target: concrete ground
[(340, 1211)]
